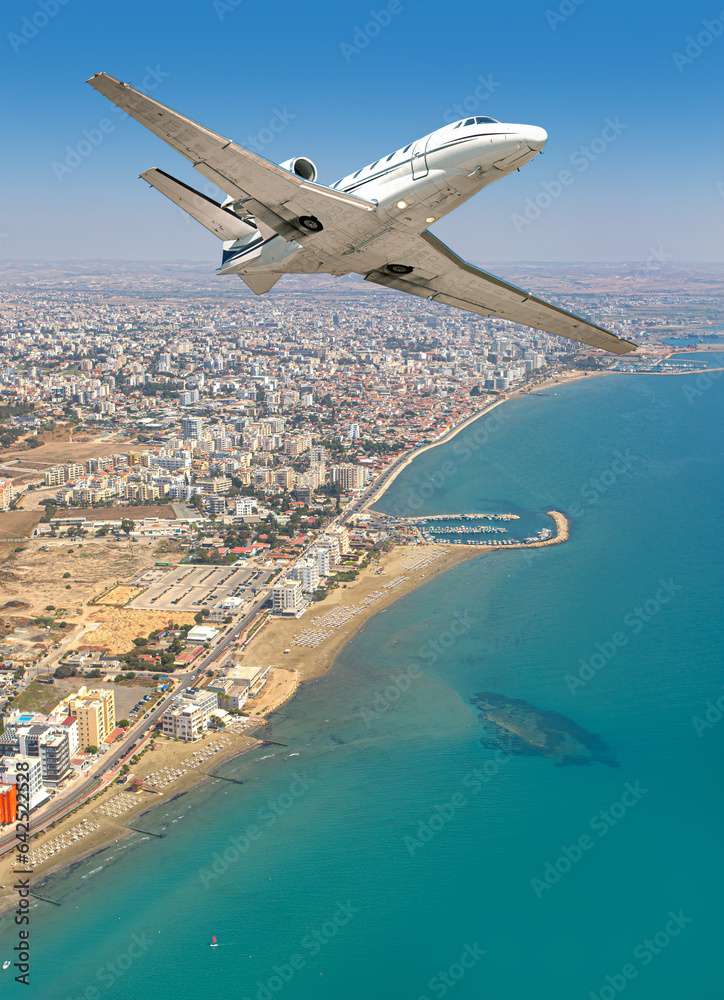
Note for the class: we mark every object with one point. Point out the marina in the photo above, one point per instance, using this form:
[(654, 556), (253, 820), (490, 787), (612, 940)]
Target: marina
[(474, 529)]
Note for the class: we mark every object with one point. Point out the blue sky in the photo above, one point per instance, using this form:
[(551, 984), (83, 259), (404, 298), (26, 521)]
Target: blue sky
[(630, 93)]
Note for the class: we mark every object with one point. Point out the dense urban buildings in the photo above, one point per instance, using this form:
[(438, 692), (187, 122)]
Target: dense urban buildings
[(146, 407)]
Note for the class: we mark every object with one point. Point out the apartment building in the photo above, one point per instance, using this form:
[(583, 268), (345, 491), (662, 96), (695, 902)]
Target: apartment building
[(323, 558), (288, 597), (307, 572), (95, 714), (185, 721), (7, 493), (187, 717), (350, 478), (54, 752), (32, 768)]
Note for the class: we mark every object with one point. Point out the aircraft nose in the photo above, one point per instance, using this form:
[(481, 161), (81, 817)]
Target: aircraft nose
[(535, 136)]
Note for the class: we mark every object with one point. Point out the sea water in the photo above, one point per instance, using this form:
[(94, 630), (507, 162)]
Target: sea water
[(400, 854)]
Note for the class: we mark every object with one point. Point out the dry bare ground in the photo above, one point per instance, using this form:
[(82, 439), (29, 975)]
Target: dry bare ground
[(56, 450), (69, 575), (18, 523), (114, 629), (161, 510)]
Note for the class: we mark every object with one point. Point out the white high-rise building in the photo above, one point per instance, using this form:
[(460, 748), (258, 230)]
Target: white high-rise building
[(192, 428), (332, 544), (288, 597), (307, 572), (32, 768), (244, 506), (323, 558)]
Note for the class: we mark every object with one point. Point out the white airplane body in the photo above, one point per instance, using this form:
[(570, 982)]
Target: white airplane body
[(277, 220)]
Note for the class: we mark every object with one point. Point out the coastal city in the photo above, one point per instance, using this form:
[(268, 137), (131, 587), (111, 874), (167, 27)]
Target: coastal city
[(361, 487), (187, 529)]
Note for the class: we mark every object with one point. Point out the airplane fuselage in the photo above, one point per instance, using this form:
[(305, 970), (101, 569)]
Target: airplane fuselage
[(411, 188), (418, 184)]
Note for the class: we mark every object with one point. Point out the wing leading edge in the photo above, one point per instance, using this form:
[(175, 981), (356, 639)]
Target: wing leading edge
[(441, 275), (271, 193)]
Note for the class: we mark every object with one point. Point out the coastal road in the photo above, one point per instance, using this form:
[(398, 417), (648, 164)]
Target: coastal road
[(60, 806)]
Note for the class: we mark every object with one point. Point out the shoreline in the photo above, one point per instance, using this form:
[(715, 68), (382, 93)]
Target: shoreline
[(574, 375), (273, 643)]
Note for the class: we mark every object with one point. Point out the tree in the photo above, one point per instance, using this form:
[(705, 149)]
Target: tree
[(63, 671), (91, 749), (124, 723), (127, 526)]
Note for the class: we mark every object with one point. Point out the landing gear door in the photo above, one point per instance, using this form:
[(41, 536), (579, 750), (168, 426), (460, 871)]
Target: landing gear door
[(419, 160)]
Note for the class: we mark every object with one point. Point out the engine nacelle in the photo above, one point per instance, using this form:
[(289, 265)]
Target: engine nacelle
[(302, 166)]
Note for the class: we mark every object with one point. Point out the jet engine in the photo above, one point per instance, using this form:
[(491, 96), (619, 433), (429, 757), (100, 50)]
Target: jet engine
[(302, 166)]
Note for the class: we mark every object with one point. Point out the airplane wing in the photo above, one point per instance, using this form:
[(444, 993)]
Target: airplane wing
[(441, 275), (270, 192)]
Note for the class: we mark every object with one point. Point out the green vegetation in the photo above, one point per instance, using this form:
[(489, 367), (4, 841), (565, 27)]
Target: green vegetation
[(36, 698)]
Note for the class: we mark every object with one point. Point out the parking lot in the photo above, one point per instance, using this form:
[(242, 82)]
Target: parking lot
[(195, 588)]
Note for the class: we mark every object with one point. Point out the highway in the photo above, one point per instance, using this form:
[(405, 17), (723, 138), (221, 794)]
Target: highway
[(64, 803)]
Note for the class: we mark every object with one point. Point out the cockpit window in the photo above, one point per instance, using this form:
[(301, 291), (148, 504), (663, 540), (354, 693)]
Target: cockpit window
[(479, 120)]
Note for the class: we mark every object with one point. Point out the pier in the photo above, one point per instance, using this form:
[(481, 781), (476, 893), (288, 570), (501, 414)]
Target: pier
[(222, 777), (458, 517), (146, 833)]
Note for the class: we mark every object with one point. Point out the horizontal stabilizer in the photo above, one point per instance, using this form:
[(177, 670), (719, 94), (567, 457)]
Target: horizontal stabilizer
[(219, 221), (260, 282)]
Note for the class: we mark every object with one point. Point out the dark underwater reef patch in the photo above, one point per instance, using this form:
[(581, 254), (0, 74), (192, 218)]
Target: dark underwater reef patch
[(517, 727)]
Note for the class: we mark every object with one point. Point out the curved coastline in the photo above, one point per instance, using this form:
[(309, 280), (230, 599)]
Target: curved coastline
[(270, 643), (321, 662)]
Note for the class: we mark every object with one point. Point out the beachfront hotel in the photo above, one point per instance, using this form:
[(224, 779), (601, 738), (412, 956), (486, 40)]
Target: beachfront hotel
[(288, 597), (187, 717)]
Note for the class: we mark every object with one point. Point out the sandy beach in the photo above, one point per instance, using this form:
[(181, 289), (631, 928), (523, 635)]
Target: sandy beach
[(298, 650), (310, 644)]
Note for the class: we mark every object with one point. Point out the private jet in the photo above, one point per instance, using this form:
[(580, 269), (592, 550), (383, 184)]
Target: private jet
[(277, 219)]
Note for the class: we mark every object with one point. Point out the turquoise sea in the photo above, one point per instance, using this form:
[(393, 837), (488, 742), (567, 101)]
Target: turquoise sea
[(399, 857)]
